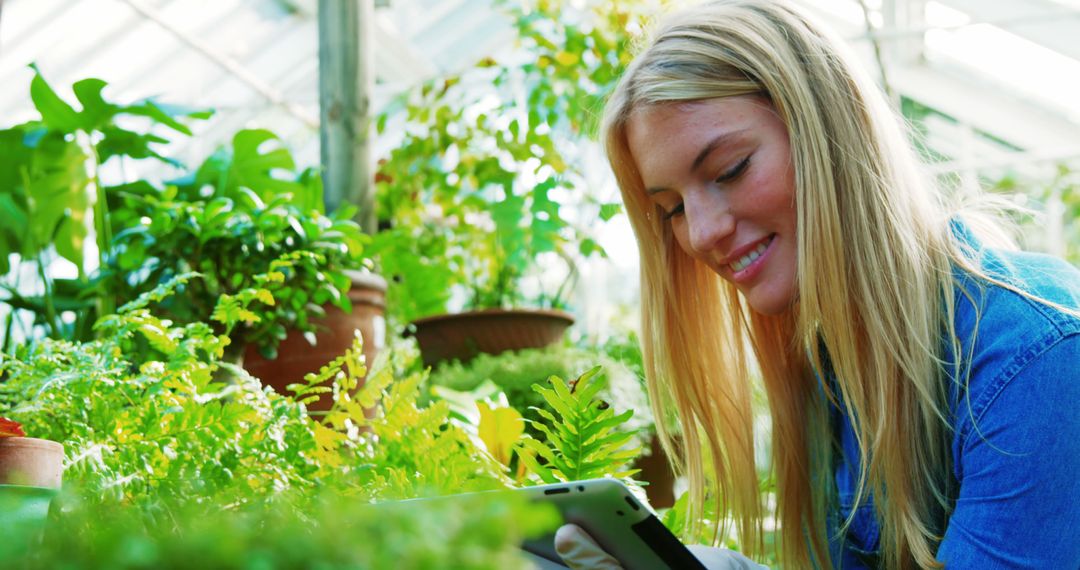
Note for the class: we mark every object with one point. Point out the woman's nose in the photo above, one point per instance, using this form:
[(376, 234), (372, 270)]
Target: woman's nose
[(709, 220)]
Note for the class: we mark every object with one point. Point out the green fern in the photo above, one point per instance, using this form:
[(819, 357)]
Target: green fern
[(583, 442)]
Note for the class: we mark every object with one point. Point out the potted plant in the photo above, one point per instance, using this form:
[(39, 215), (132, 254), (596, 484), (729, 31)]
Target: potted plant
[(516, 372), (483, 204), (182, 468), (244, 208), (246, 218), (52, 185), (30, 473), (494, 247)]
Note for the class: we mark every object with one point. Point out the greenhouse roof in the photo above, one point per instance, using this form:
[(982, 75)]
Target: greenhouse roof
[(1002, 76)]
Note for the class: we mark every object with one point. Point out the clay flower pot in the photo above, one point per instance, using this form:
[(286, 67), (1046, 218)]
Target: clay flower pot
[(31, 462), (461, 336), (297, 356)]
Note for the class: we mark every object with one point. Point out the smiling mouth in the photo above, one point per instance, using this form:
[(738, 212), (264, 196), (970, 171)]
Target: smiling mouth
[(745, 261)]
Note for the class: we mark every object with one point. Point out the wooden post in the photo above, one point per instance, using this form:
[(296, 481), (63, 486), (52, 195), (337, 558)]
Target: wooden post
[(346, 84)]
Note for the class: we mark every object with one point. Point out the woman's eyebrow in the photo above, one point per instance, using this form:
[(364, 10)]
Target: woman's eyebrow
[(718, 141)]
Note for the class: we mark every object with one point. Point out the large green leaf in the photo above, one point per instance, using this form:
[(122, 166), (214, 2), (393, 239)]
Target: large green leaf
[(117, 141), (256, 154), (13, 170), (57, 198), (95, 110), (165, 114), (55, 112)]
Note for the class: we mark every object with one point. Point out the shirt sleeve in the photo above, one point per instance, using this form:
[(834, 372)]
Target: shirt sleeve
[(1018, 467)]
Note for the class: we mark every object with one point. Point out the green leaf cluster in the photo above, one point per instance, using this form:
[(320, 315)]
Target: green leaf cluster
[(581, 439), (240, 215), (186, 468), (247, 210), (50, 191), (143, 419), (289, 531), (408, 449), (515, 374), (475, 196)]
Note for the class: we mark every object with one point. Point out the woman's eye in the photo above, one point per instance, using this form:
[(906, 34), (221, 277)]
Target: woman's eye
[(735, 171), (677, 210)]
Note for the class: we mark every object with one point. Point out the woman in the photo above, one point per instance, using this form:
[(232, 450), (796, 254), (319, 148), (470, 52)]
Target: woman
[(923, 380)]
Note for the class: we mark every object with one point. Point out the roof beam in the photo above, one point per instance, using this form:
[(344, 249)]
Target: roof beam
[(1046, 23), (230, 64), (988, 110)]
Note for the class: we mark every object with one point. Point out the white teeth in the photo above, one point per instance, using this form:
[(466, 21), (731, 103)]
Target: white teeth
[(746, 260)]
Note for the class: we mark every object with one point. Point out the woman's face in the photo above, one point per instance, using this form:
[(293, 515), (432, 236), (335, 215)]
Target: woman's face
[(720, 171)]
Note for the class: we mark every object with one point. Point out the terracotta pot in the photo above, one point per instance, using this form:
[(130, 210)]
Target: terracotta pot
[(461, 336), (31, 462), (298, 357)]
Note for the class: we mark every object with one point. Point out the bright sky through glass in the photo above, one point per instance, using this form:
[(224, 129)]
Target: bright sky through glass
[(1042, 74)]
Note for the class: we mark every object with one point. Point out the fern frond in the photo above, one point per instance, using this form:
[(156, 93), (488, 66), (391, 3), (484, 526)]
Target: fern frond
[(583, 439)]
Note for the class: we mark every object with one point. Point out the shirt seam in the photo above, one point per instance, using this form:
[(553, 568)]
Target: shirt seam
[(1017, 364)]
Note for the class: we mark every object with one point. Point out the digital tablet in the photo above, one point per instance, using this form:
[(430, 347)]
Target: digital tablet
[(621, 524)]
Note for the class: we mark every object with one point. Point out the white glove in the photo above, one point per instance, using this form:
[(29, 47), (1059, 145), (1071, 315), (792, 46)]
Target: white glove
[(579, 551)]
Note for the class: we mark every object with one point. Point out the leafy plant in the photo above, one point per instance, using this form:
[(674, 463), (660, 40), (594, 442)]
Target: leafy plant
[(51, 191), (143, 419), (475, 192), (582, 442), (515, 373), (245, 209), (318, 530), (187, 469), (244, 212), (409, 449)]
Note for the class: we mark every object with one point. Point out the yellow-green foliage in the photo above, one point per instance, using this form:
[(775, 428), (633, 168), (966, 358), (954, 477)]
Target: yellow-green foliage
[(582, 442), (185, 468)]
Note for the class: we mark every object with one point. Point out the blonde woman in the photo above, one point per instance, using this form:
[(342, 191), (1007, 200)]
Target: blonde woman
[(923, 381)]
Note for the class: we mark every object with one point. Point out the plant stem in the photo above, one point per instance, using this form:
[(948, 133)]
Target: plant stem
[(50, 310), (103, 233)]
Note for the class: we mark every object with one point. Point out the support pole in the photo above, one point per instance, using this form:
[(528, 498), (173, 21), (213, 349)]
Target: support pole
[(346, 84)]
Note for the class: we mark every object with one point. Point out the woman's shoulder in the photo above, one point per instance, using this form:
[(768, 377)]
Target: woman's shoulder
[(1016, 440), (1019, 293), (1013, 326)]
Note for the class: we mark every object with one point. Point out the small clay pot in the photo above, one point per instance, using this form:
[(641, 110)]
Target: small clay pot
[(462, 336), (31, 462)]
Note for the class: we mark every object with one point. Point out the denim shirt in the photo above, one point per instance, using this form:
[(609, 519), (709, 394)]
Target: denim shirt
[(1015, 436)]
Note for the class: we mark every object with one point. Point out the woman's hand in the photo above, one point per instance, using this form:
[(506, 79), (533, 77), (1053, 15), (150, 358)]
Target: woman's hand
[(579, 551)]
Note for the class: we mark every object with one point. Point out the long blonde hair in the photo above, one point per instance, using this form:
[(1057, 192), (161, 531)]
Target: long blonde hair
[(875, 291)]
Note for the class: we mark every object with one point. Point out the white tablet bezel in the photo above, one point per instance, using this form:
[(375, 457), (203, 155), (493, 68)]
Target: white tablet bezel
[(620, 523)]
